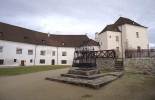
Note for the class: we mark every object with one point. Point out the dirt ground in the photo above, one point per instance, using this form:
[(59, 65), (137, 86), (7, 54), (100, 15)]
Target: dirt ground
[(34, 87)]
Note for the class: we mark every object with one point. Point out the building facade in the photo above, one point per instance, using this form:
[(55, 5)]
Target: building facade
[(24, 47), (123, 35)]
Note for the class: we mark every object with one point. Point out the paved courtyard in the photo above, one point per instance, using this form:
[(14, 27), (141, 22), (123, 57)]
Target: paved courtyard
[(34, 87)]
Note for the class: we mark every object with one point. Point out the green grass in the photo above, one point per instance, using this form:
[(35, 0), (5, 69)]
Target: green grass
[(30, 69)]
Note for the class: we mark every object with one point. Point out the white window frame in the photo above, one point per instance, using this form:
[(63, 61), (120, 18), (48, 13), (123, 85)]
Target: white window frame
[(19, 50), (30, 53), (64, 53), (63, 60), (1, 49), (43, 52), (53, 53)]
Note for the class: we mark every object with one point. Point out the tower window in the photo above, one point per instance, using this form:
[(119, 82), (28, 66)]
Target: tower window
[(117, 38), (137, 34)]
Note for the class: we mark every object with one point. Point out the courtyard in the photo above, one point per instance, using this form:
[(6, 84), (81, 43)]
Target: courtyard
[(33, 86)]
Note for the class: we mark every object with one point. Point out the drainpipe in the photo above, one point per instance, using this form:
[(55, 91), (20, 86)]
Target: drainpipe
[(57, 55), (122, 46), (35, 55), (122, 43)]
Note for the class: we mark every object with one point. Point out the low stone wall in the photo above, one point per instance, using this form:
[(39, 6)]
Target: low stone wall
[(137, 65), (141, 65), (105, 63)]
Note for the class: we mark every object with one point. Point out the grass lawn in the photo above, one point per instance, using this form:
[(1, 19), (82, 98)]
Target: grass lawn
[(30, 69)]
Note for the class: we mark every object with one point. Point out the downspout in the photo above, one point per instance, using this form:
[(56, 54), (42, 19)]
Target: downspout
[(122, 44), (35, 55), (57, 55)]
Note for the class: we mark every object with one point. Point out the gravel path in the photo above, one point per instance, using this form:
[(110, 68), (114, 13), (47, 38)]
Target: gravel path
[(34, 87)]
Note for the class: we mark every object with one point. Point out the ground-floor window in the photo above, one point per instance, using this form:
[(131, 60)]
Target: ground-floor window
[(63, 61), (15, 60), (31, 60), (42, 61), (1, 61)]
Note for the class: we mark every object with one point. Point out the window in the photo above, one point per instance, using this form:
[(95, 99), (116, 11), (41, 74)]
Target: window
[(64, 53), (110, 36), (30, 52), (18, 51), (42, 52), (100, 43), (1, 61), (137, 34), (43, 41), (117, 38), (31, 60), (1, 49), (138, 48), (1, 34), (63, 61), (25, 37), (42, 61), (53, 53), (15, 60)]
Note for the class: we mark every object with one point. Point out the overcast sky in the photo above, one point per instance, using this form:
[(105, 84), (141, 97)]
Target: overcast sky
[(76, 16)]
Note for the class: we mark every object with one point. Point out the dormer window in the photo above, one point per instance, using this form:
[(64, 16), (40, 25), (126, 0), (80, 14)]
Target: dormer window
[(1, 34), (137, 34), (43, 41), (25, 37)]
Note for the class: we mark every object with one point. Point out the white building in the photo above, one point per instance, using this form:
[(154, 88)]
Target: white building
[(20, 46), (122, 35)]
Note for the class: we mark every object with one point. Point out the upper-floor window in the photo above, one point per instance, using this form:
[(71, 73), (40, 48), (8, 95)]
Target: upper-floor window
[(18, 51), (1, 49), (30, 52), (138, 48), (117, 38), (53, 53), (64, 53), (137, 34), (42, 52)]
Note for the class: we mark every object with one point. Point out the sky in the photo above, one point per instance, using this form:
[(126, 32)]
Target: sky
[(77, 16)]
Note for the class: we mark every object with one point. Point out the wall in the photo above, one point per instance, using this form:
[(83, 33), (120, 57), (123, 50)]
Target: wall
[(136, 65), (141, 65), (48, 55), (102, 39), (131, 40), (9, 54), (69, 57), (105, 63), (111, 38)]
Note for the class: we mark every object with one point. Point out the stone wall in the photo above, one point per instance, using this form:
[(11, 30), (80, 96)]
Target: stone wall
[(141, 65), (137, 65), (105, 63)]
